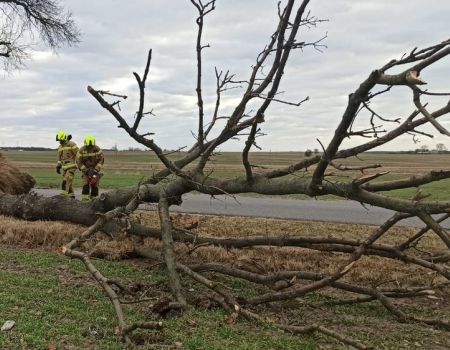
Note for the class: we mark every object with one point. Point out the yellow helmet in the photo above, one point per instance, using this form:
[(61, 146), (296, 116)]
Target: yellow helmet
[(89, 140), (62, 136)]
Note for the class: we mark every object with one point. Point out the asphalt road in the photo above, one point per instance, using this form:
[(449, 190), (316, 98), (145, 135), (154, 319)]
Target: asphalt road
[(313, 210)]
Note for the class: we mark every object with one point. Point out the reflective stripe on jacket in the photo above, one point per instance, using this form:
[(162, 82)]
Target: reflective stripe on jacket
[(69, 166), (90, 157), (67, 153)]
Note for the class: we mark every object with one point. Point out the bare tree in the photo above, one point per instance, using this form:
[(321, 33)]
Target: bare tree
[(424, 149), (440, 147), (189, 173), (22, 20)]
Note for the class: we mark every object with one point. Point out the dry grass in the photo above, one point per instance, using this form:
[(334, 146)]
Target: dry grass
[(32, 234), (52, 235), (369, 271), (12, 180)]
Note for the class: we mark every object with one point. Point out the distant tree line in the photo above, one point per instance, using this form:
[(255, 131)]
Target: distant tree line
[(424, 149), (26, 149)]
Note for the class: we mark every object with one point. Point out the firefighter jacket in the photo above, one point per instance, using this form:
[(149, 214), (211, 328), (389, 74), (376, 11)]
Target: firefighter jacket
[(66, 155), (90, 157)]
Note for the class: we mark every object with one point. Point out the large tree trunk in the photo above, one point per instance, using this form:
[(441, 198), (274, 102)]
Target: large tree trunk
[(36, 207), (33, 207)]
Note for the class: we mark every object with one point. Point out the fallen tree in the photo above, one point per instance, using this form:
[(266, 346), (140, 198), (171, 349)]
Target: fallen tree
[(320, 175)]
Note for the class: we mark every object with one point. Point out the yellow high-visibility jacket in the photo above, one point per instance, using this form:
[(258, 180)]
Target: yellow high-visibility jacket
[(90, 157), (67, 153)]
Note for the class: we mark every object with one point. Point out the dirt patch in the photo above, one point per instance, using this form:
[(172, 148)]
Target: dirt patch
[(12, 180)]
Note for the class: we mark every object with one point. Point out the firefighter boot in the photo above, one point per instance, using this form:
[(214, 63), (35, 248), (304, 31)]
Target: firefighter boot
[(85, 193), (94, 192), (63, 189)]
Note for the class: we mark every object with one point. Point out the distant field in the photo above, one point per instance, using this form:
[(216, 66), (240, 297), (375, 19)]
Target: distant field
[(127, 168)]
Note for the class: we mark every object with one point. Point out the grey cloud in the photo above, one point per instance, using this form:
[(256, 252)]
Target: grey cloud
[(362, 36)]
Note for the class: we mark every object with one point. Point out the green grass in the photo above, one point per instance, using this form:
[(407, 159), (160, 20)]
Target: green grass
[(48, 178), (42, 293), (54, 302), (439, 190), (240, 336)]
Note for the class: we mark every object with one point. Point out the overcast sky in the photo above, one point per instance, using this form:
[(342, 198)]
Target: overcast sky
[(50, 94)]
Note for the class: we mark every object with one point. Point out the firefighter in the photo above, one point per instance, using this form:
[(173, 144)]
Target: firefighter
[(67, 152), (90, 161)]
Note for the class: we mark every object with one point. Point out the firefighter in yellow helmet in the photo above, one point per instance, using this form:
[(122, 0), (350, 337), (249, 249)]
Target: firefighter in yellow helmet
[(67, 152), (90, 161)]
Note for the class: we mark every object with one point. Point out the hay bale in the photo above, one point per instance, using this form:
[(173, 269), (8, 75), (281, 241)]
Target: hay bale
[(12, 180)]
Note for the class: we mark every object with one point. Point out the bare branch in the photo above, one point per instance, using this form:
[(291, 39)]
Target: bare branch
[(203, 10), (248, 144), (361, 168), (296, 104), (169, 256), (426, 114), (105, 92), (438, 229), (24, 18), (141, 84)]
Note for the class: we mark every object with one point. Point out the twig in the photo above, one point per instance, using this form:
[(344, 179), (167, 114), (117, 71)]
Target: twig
[(427, 114)]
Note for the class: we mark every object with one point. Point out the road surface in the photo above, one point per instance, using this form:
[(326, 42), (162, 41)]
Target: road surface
[(339, 211)]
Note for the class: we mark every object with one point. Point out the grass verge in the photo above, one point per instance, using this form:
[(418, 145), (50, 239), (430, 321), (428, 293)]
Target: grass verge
[(56, 303)]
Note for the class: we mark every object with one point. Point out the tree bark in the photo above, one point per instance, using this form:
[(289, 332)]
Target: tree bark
[(168, 253)]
